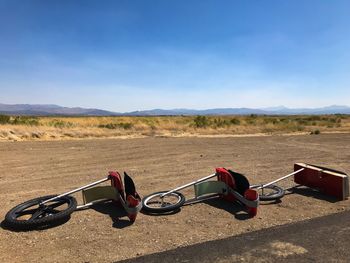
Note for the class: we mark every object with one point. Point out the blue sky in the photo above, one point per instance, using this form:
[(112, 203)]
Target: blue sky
[(134, 55)]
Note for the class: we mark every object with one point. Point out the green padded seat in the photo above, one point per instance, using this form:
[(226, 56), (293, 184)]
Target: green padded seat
[(99, 193), (210, 187)]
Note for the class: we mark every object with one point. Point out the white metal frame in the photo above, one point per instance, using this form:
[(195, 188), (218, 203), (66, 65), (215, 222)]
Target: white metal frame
[(77, 190)]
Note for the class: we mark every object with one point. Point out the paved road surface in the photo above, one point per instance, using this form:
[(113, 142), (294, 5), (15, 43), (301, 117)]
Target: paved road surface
[(324, 239)]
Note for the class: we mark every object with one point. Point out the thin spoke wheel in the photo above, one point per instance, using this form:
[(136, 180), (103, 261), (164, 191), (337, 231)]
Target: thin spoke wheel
[(155, 203), (34, 215)]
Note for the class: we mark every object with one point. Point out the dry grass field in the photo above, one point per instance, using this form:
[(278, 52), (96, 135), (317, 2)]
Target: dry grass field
[(30, 169), (52, 128)]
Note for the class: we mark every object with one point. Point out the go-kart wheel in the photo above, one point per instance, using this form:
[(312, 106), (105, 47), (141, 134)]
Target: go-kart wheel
[(269, 193), (155, 204), (32, 215)]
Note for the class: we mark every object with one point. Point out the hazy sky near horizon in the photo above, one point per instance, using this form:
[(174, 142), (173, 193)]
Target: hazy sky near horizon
[(134, 55)]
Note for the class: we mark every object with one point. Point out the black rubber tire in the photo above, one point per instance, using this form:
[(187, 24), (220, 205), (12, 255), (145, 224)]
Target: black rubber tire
[(276, 195), (165, 209), (49, 217)]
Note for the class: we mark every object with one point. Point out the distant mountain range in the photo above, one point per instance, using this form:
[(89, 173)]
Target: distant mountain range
[(49, 110), (55, 110)]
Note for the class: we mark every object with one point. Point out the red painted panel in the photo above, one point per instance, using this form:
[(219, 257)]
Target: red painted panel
[(328, 183)]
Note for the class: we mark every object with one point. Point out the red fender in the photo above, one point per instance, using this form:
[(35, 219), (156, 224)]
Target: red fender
[(226, 177), (133, 202), (116, 181), (249, 194), (132, 199)]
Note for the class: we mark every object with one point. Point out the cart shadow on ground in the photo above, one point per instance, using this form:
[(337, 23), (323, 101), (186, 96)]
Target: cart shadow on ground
[(119, 216), (116, 212), (234, 208), (162, 214), (239, 212), (309, 192)]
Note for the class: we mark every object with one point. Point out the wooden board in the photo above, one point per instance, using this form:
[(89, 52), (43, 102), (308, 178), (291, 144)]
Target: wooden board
[(327, 181)]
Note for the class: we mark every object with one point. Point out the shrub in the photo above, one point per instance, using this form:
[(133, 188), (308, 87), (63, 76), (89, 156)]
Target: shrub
[(235, 121), (267, 130), (221, 122), (4, 119), (108, 126), (201, 122), (300, 128), (303, 121), (61, 124), (271, 120), (25, 120), (284, 120), (315, 132), (123, 125), (126, 125), (251, 121), (313, 118)]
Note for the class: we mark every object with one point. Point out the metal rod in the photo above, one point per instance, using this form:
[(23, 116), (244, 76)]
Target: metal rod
[(81, 207), (75, 190), (280, 179), (201, 198), (189, 184)]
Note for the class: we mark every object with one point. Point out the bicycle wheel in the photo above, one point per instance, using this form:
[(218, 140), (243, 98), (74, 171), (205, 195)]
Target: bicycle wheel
[(32, 215), (269, 193), (154, 203)]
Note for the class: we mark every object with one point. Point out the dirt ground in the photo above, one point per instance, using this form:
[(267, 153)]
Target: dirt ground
[(32, 169)]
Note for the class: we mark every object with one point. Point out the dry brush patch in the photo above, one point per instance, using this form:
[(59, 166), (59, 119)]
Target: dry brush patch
[(50, 128)]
